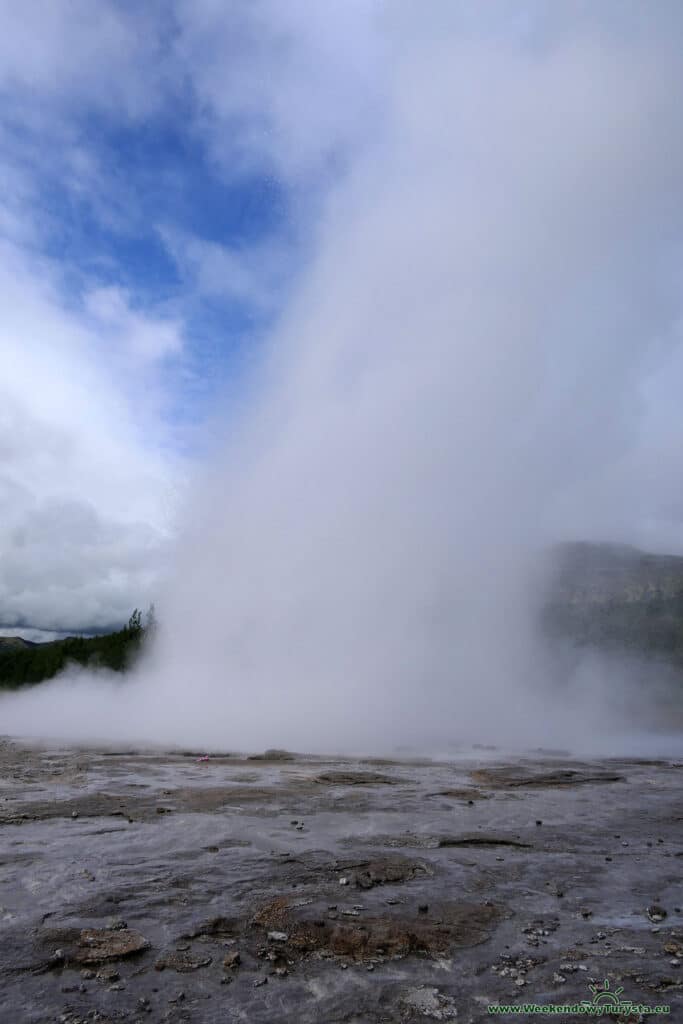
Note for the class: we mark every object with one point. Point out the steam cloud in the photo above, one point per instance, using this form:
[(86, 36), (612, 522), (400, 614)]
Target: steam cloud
[(456, 384)]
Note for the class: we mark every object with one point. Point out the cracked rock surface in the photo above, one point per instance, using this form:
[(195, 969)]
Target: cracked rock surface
[(149, 886)]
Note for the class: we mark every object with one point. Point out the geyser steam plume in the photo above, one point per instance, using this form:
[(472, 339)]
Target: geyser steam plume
[(454, 385)]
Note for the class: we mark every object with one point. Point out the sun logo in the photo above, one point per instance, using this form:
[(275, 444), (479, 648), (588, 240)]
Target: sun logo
[(603, 996)]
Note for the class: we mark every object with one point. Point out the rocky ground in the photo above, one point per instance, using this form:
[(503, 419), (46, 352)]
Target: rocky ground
[(163, 887)]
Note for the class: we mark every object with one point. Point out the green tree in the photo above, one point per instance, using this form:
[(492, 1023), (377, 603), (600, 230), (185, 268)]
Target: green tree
[(135, 621)]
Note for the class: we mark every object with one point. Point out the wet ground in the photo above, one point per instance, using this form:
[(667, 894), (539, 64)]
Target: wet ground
[(160, 887)]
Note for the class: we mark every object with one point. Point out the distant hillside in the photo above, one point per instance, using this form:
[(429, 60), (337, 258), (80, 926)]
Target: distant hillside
[(598, 573), (618, 598), (14, 642), (607, 596), (23, 662)]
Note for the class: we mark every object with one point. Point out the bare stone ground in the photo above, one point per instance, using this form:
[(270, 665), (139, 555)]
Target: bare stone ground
[(157, 887)]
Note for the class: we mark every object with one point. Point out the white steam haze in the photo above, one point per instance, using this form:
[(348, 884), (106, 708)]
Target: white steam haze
[(459, 379)]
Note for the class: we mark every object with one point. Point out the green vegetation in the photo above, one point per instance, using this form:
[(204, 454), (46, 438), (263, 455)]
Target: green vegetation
[(23, 662)]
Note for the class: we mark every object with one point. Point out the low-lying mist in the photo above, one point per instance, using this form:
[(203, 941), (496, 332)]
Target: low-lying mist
[(454, 386)]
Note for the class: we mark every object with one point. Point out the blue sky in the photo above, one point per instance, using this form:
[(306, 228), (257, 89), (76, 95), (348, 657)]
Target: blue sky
[(165, 191)]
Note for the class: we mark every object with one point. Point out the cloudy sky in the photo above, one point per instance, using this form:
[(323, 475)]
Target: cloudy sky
[(176, 181), (157, 187)]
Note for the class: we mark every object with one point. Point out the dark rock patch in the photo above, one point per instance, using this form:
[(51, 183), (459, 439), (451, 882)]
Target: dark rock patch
[(464, 793), (213, 927), (98, 944), (181, 961), (510, 778), (450, 926), (273, 755), (354, 779), (481, 840), (388, 871)]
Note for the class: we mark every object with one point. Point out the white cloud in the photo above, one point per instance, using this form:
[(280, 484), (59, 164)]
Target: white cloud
[(63, 52), (255, 274), (287, 86), (88, 483), (143, 339), (86, 486)]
